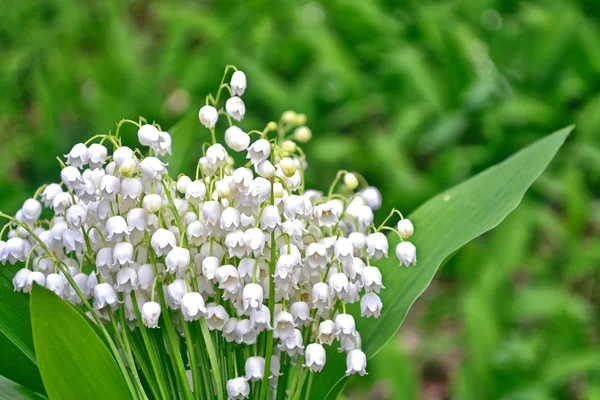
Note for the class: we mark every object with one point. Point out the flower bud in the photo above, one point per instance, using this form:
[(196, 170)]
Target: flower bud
[(128, 168), (31, 210), (302, 134), (237, 139), (208, 116), (151, 314), (350, 181), (152, 203), (287, 167), (272, 126), (288, 117), (405, 228), (148, 135), (288, 147), (372, 197)]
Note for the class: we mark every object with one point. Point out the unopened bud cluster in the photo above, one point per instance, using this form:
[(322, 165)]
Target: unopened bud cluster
[(246, 248)]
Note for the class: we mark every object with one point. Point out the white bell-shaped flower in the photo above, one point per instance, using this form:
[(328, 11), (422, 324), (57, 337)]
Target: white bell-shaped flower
[(238, 83), (371, 279), (127, 280), (175, 292), (230, 219), (321, 298), (356, 362), (315, 357), (71, 177), (258, 191), (208, 116), (148, 135), (261, 318), (406, 253), (178, 259), (192, 306), (339, 285), (49, 193), (326, 333), (343, 250), (104, 294), (301, 312), (20, 279), (345, 326), (163, 241), (270, 218), (121, 155), (254, 240), (237, 388), (216, 316), (265, 169), (252, 296), (245, 332), (34, 277), (97, 155), (78, 156), (151, 314), (292, 345), (235, 244), (370, 305), (228, 278), (259, 151), (123, 254), (372, 197), (377, 245), (236, 139), (284, 325), (76, 216), (146, 276), (116, 228), (255, 368), (152, 168), (152, 203), (15, 250), (235, 107), (31, 210)]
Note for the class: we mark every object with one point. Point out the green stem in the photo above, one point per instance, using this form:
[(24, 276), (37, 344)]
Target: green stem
[(191, 348)]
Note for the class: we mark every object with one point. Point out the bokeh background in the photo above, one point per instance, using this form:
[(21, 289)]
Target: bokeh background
[(416, 95)]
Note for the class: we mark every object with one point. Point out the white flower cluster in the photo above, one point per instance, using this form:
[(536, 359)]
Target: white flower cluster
[(248, 249)]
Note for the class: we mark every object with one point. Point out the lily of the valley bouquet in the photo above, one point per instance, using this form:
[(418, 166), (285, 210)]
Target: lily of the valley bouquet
[(235, 281)]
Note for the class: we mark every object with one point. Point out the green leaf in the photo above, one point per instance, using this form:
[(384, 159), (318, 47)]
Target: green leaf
[(16, 343), (10, 390), (442, 226), (73, 360)]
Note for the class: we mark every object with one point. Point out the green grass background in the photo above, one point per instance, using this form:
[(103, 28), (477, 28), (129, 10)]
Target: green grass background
[(416, 95)]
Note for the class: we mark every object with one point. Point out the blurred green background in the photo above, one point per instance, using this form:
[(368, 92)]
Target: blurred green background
[(416, 95)]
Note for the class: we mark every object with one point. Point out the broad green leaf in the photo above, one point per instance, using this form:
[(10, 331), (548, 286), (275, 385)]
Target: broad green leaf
[(10, 390), (73, 360), (442, 226), (16, 343)]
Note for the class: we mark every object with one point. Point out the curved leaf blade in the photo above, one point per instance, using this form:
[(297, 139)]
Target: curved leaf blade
[(442, 226), (73, 360), (10, 390), (18, 361)]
